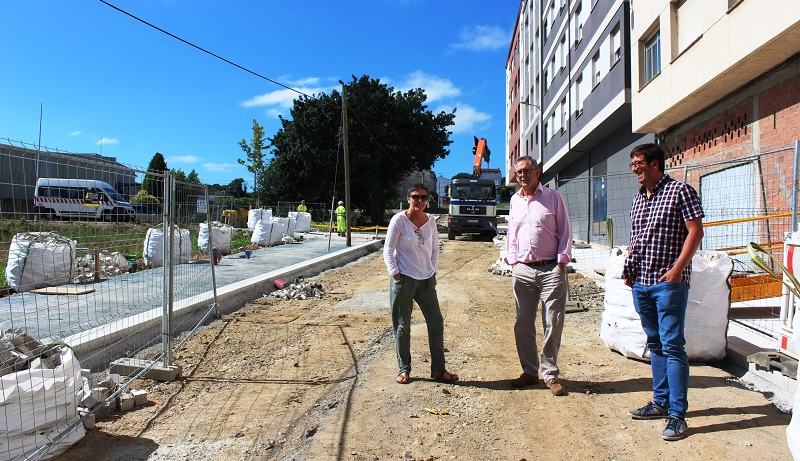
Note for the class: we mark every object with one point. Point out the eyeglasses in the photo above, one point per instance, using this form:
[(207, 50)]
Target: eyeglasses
[(636, 163), (419, 236), (522, 171), (418, 197)]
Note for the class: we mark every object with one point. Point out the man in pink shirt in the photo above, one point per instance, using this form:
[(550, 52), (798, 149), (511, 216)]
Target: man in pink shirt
[(538, 247)]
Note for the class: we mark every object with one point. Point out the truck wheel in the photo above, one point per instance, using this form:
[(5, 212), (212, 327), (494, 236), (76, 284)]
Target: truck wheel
[(451, 234)]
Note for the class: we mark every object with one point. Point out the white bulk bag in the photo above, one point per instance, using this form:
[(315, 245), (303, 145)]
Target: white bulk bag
[(279, 227), (620, 327), (303, 221), (793, 430), (292, 228), (39, 259), (706, 312), (221, 236), (153, 253), (37, 404), (261, 232), (259, 214)]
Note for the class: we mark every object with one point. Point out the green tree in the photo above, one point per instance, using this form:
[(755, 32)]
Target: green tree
[(390, 134), (193, 177), (463, 176), (255, 154), (153, 181), (236, 188)]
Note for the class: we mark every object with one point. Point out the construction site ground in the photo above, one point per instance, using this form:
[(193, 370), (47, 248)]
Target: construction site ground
[(315, 380)]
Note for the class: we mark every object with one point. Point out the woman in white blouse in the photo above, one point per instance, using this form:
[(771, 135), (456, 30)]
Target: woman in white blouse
[(411, 253)]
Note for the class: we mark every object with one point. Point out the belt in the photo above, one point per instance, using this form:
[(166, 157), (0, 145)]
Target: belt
[(540, 263)]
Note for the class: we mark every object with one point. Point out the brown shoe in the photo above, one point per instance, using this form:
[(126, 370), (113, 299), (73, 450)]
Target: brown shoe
[(524, 380), (556, 388)]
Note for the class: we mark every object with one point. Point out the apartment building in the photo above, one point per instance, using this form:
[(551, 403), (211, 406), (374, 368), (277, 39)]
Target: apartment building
[(719, 82), (574, 107)]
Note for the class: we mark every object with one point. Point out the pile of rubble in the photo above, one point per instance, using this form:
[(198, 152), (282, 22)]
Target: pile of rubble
[(110, 265), (300, 290), (20, 351), (95, 394)]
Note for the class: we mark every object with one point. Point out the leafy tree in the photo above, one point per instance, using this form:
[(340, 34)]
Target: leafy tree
[(390, 133), (236, 188), (153, 181), (463, 176), (255, 154), (193, 177), (143, 197)]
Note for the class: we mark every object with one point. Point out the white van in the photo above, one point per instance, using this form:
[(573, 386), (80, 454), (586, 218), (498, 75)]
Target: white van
[(79, 198)]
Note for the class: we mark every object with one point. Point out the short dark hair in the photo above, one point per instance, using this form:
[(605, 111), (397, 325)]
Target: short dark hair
[(650, 152), (418, 186)]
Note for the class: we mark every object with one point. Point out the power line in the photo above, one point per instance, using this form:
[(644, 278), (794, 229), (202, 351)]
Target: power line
[(202, 49)]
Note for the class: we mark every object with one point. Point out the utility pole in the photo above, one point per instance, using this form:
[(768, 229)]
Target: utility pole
[(346, 163)]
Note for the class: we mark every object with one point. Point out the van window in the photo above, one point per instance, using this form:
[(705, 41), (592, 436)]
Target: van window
[(114, 195)]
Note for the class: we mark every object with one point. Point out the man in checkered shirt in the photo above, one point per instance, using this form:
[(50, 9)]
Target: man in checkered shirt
[(666, 230)]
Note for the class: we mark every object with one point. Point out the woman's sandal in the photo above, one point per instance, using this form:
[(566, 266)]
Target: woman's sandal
[(402, 378), (445, 377)]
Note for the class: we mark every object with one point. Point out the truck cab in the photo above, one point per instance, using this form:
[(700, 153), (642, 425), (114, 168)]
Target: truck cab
[(473, 207)]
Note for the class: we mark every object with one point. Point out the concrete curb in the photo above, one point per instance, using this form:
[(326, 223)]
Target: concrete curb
[(142, 330)]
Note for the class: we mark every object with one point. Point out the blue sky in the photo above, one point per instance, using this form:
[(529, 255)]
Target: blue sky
[(110, 84)]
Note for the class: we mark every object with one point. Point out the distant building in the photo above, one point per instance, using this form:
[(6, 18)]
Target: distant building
[(21, 167)]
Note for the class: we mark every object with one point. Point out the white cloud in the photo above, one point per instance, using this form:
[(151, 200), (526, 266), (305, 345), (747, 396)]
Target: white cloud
[(479, 38), (106, 141), (435, 87), (76, 133), (467, 118), (184, 159), (221, 167), (282, 99)]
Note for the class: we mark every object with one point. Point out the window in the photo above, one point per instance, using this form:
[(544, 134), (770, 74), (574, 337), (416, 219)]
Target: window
[(553, 123), (546, 80), (652, 56), (553, 67), (689, 18), (563, 4), (616, 49), (578, 99), (562, 51), (596, 69), (564, 115), (546, 132), (578, 24)]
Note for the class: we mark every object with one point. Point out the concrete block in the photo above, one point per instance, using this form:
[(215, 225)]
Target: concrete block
[(139, 397), (126, 401), (95, 396), (90, 422), (129, 367)]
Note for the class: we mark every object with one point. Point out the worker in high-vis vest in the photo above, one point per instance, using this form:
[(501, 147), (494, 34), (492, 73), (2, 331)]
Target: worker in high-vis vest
[(341, 224), (302, 208)]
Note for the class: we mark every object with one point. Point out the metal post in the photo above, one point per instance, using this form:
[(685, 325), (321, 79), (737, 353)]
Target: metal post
[(795, 174), (347, 204), (169, 273), (211, 259)]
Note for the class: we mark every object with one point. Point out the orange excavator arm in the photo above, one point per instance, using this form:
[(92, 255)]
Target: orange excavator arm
[(481, 152)]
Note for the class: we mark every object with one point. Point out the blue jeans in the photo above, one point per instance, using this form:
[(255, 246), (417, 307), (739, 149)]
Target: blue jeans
[(662, 310)]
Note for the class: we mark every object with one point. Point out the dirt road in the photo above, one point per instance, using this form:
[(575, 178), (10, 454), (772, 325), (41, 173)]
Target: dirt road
[(314, 380)]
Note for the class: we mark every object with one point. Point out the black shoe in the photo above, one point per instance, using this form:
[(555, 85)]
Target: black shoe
[(675, 429), (650, 411)]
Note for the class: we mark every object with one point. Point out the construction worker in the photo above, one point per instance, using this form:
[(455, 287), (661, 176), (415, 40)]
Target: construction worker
[(341, 224), (302, 207)]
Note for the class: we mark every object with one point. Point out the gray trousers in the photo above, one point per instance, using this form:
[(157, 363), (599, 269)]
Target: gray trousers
[(532, 284), (401, 299)]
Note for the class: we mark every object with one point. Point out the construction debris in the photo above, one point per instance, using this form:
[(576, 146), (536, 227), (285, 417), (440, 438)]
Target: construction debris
[(110, 265), (301, 290)]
